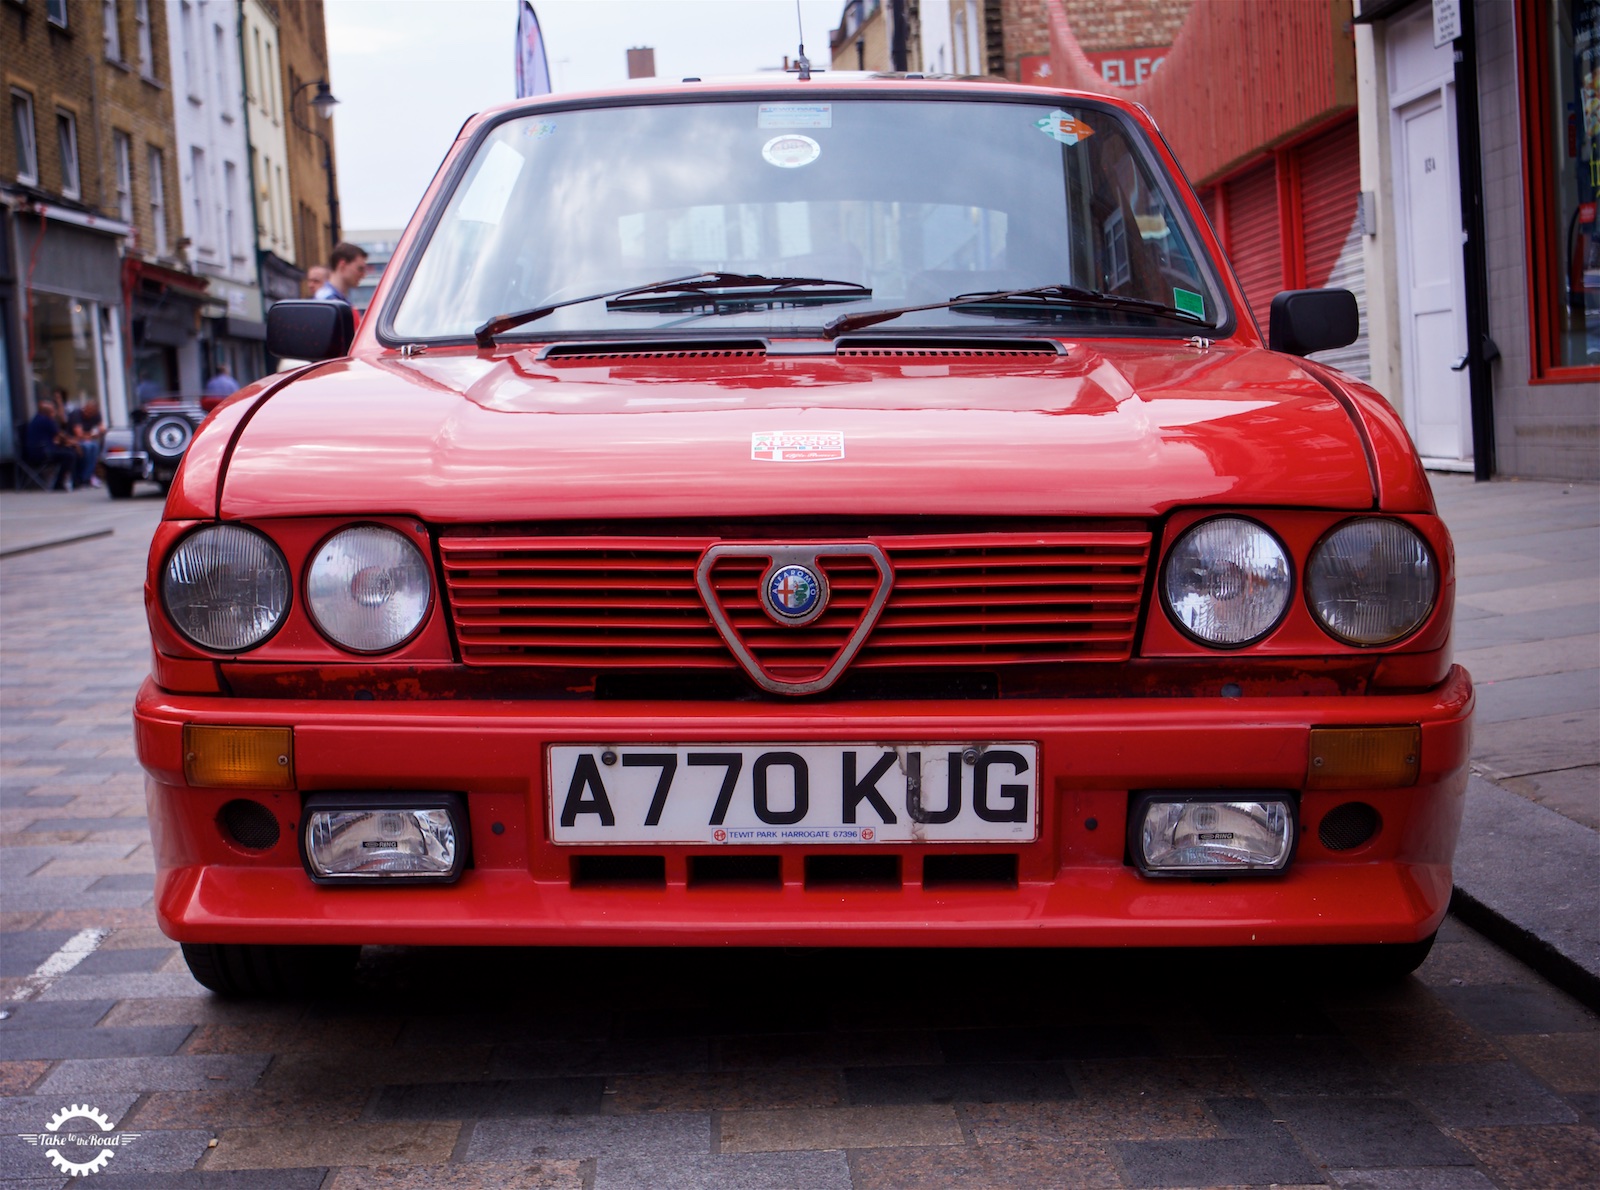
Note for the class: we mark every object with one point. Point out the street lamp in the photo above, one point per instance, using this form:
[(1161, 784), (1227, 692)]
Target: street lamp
[(323, 103)]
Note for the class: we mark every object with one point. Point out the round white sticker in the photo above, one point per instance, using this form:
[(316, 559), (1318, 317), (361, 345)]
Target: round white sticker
[(791, 151)]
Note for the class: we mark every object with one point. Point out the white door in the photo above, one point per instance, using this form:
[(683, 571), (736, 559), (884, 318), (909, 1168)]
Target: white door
[(1433, 329)]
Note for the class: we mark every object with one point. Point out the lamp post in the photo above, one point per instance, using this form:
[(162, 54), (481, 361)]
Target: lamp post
[(323, 102)]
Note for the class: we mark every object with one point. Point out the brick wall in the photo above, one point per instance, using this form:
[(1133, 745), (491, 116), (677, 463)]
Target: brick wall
[(68, 70), (1097, 24)]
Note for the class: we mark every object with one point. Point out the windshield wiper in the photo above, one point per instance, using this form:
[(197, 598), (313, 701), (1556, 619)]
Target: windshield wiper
[(695, 285), (745, 291), (1040, 296)]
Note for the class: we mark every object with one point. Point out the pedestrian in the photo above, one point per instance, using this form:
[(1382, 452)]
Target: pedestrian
[(316, 278), (88, 433), (221, 384), (346, 266), (47, 444)]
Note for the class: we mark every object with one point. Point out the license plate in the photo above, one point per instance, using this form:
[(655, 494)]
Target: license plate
[(809, 794)]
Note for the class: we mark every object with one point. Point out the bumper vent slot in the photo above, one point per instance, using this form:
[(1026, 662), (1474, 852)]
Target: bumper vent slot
[(969, 871), (1346, 827)]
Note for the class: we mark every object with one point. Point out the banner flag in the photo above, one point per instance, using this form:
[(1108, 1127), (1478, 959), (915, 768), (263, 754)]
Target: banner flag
[(533, 70)]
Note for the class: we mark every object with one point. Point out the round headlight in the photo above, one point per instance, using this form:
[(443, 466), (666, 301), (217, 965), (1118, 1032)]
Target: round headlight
[(368, 588), (1227, 582), (1371, 581), (226, 588)]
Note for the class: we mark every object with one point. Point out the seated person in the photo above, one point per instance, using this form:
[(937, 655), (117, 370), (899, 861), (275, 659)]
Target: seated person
[(88, 435), (47, 443)]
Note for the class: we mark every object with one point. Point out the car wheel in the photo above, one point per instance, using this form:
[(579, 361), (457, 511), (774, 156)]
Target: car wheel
[(168, 437), (120, 486), (269, 972)]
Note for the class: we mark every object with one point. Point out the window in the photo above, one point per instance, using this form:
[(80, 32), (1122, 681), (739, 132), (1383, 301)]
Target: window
[(219, 40), (122, 146), (230, 203), (67, 141), (283, 206), (27, 147), (269, 87), (158, 201), (147, 57), (1559, 42), (191, 54), (202, 200), (55, 11), (258, 95), (108, 9)]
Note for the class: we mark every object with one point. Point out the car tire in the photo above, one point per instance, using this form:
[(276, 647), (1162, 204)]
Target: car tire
[(168, 437), (269, 972), (119, 486)]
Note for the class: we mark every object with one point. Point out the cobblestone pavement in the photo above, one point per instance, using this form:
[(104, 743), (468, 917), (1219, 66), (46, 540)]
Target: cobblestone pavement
[(687, 1069)]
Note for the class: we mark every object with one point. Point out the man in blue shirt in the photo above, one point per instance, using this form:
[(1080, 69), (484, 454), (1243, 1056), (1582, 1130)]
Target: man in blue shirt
[(46, 444), (346, 267), (222, 384)]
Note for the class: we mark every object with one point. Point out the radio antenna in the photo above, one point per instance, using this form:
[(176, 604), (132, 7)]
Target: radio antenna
[(802, 63)]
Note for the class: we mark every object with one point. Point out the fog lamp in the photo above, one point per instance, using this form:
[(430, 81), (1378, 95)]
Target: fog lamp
[(1211, 834), (350, 838)]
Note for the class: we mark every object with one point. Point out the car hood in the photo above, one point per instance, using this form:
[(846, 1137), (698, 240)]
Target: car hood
[(1120, 429)]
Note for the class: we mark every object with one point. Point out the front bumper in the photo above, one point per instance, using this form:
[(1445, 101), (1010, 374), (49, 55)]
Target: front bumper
[(1073, 886)]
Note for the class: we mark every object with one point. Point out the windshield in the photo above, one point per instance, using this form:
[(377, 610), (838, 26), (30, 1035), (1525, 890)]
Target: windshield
[(918, 201)]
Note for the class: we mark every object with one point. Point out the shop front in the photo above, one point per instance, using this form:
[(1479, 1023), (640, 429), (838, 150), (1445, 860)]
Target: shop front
[(69, 315), (234, 332), (166, 307)]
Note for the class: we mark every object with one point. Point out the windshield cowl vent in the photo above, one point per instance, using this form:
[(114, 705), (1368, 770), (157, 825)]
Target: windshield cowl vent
[(593, 353), (859, 348)]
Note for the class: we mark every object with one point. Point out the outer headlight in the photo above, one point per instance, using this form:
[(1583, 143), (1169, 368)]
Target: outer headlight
[(226, 588), (368, 588), (1227, 581), (1371, 581)]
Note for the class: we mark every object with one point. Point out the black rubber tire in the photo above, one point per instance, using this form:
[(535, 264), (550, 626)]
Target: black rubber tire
[(119, 485), (269, 972)]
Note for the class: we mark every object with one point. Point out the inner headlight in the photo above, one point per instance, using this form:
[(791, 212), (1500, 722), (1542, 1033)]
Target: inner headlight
[(226, 588), (368, 588), (1371, 581), (1174, 833), (1227, 581)]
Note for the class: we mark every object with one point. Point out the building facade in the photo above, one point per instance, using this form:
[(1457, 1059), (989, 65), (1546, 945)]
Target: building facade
[(90, 271), (213, 160), (266, 120), (1481, 150), (313, 163)]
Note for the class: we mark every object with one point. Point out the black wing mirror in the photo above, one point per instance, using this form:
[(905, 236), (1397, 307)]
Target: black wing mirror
[(1307, 320), (310, 330)]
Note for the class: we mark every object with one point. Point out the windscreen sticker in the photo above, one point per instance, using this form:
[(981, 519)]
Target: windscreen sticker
[(791, 152), (540, 128), (1064, 127), (1189, 303), (794, 115), (796, 446)]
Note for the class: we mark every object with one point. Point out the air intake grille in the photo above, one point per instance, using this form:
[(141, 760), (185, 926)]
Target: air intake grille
[(631, 602)]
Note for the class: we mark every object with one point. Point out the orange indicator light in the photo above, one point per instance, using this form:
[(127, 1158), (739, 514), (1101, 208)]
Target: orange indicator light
[(238, 757), (1363, 757)]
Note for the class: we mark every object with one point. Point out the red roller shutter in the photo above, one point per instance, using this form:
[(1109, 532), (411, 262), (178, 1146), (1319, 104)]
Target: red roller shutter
[(1330, 182), (1254, 243)]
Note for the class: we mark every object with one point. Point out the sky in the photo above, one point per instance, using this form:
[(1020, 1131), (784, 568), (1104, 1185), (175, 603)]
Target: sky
[(407, 73)]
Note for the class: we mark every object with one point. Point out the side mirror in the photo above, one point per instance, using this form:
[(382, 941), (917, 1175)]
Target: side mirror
[(1307, 320), (310, 330)]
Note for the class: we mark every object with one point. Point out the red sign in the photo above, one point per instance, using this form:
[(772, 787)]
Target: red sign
[(1119, 68)]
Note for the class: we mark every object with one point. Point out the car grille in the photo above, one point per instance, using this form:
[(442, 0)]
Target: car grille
[(957, 599)]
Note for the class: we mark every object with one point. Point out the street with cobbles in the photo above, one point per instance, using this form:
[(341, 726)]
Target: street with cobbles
[(738, 1069)]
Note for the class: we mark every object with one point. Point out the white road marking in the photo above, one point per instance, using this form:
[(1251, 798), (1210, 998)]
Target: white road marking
[(73, 951)]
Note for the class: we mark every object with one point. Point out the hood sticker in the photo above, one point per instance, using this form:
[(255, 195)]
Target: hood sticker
[(794, 115), (796, 446), (1064, 127), (791, 152)]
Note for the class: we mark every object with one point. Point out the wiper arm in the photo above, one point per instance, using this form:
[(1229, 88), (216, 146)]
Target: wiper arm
[(742, 291), (1046, 295), (693, 283)]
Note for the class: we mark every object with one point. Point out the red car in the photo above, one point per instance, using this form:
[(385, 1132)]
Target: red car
[(817, 511)]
